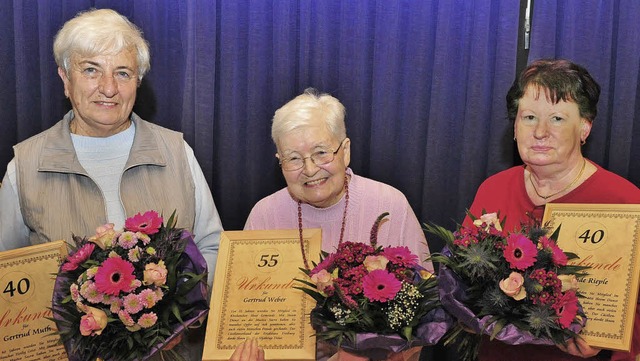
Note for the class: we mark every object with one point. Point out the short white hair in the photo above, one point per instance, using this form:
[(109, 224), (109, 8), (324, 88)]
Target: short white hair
[(101, 31), (299, 112)]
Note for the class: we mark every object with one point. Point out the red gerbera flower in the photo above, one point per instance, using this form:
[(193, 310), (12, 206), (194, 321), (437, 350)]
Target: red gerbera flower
[(76, 259), (400, 256), (148, 223), (114, 275), (520, 252), (566, 308), (380, 285)]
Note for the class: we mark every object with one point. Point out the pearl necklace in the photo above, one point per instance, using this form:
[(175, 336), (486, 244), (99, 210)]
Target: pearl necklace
[(584, 163), (344, 221)]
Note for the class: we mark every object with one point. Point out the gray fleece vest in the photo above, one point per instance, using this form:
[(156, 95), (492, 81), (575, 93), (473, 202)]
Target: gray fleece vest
[(58, 198)]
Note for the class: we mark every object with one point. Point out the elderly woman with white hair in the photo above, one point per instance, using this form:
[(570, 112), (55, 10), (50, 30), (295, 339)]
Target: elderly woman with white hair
[(102, 163), (323, 192)]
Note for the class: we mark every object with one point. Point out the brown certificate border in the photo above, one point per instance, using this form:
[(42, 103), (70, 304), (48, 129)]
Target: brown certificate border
[(235, 249), (27, 316), (626, 244)]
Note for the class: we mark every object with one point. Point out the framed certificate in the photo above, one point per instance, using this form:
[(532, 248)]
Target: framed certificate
[(606, 237), (254, 295), (27, 276)]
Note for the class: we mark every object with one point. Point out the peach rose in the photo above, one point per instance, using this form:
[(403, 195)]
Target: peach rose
[(488, 219), (372, 263), (569, 282), (512, 286), (322, 280), (105, 236), (93, 322), (155, 274)]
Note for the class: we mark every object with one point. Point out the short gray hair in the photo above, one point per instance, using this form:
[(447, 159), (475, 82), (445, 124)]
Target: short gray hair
[(299, 111), (102, 31)]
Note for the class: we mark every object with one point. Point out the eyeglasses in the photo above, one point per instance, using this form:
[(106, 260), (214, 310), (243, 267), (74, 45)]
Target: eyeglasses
[(320, 157)]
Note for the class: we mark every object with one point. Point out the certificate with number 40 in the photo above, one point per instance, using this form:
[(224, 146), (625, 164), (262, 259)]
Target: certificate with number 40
[(606, 237), (27, 277)]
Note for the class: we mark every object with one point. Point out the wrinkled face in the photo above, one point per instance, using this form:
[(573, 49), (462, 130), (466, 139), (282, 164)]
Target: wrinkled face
[(102, 90), (547, 133), (319, 185)]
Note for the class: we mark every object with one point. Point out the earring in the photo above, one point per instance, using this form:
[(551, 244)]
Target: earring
[(583, 141)]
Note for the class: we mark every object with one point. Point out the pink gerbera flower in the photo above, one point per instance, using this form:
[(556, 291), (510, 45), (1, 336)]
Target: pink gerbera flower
[(380, 285), (557, 255), (115, 275), (566, 308), (400, 256), (520, 252), (147, 223), (76, 259)]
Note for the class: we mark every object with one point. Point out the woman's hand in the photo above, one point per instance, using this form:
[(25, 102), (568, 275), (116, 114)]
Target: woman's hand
[(248, 351), (578, 347)]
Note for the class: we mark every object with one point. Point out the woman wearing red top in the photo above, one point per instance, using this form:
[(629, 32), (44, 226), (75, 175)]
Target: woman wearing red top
[(553, 104)]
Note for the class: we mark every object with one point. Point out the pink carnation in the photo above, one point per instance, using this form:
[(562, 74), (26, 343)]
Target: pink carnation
[(126, 318), (132, 304), (147, 320), (127, 240), (148, 297)]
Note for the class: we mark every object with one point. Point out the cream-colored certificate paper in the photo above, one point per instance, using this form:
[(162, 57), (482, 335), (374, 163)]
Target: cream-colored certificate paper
[(606, 238), (253, 295), (27, 276)]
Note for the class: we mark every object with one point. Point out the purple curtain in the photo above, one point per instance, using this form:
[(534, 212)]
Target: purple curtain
[(423, 83), (603, 36)]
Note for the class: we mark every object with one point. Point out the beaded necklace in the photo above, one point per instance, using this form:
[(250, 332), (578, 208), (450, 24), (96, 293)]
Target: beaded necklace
[(344, 221)]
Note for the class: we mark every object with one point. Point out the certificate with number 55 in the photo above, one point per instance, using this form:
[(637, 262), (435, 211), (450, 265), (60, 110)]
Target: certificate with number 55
[(254, 294)]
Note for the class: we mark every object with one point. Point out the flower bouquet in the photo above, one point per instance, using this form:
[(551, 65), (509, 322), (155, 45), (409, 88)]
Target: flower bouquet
[(374, 301), (516, 287), (123, 295)]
